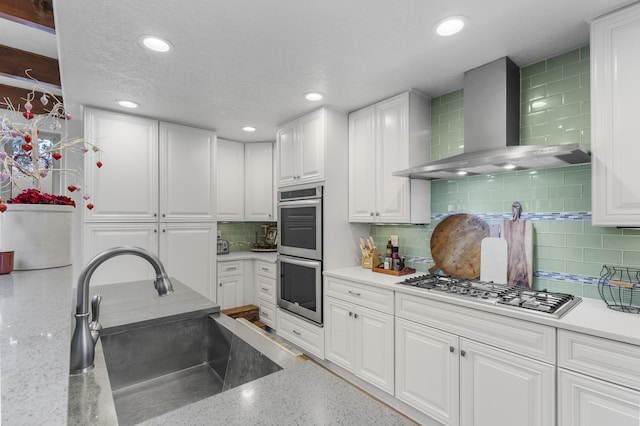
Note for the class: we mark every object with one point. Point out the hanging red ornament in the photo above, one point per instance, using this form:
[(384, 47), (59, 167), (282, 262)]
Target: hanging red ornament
[(56, 156), (90, 206), (99, 164), (27, 138), (27, 147), (72, 188), (3, 208), (28, 115)]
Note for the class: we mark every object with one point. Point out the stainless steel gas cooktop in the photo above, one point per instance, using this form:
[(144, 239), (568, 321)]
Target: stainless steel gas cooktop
[(541, 302)]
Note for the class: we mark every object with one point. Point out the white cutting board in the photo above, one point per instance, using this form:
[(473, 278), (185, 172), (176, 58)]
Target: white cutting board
[(494, 254)]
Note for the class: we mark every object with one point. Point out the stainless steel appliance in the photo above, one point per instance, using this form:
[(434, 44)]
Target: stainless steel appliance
[(540, 302), (300, 252), (300, 286), (223, 246), (300, 222)]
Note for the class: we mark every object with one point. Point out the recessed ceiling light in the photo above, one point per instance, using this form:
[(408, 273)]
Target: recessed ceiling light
[(451, 25), (313, 96), (249, 129), (461, 173), (509, 166), (127, 104), (155, 43)]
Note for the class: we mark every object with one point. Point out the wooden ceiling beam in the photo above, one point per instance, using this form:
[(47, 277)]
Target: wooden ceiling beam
[(17, 96), (14, 62), (34, 13)]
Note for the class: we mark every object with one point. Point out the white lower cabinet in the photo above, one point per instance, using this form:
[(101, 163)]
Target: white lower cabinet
[(230, 284), (499, 388), (187, 251), (598, 381), (265, 280), (307, 336), (99, 237), (451, 375), (427, 370), (359, 331), (361, 340)]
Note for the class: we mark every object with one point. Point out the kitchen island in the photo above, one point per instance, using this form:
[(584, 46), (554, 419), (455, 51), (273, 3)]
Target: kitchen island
[(36, 317)]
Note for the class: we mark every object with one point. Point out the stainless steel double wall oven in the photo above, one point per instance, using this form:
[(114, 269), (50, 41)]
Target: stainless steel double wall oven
[(300, 251)]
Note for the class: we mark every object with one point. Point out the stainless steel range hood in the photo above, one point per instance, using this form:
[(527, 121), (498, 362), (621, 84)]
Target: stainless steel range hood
[(492, 131)]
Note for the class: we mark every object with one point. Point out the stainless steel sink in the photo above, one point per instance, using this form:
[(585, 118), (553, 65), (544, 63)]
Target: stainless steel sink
[(158, 368)]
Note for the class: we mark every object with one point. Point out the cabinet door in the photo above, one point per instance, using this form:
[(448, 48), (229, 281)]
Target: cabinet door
[(362, 167), (230, 180), (392, 154), (584, 401), (230, 291), (615, 65), (339, 344), (99, 237), (498, 388), (427, 374), (258, 187), (288, 157), (311, 143), (188, 252), (374, 347), (125, 188), (186, 174)]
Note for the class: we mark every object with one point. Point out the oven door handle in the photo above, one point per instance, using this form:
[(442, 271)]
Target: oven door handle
[(298, 203), (300, 262)]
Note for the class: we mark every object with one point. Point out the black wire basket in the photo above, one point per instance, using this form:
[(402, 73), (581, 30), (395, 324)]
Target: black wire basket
[(619, 287)]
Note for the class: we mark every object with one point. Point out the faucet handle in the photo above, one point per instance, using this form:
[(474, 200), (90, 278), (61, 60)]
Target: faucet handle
[(94, 325)]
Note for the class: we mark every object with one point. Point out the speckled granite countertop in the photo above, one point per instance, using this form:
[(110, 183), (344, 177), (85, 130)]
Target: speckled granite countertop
[(36, 325)]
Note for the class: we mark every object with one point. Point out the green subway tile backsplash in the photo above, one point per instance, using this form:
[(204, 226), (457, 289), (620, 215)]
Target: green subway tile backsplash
[(241, 235), (567, 247)]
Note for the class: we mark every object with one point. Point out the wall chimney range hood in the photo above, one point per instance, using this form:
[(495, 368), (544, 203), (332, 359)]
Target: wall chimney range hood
[(492, 131)]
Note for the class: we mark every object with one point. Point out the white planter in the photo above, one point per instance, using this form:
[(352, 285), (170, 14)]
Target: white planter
[(40, 235)]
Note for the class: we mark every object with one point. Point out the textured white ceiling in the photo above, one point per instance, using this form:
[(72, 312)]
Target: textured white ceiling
[(248, 62)]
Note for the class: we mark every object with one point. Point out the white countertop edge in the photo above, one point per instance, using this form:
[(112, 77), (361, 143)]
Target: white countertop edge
[(590, 316), (248, 255)]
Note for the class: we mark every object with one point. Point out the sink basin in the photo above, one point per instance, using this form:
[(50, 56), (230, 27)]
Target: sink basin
[(157, 368)]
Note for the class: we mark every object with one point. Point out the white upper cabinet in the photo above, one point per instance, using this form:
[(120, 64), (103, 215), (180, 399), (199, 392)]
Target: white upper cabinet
[(244, 176), (125, 188), (151, 171), (615, 90), (258, 183), (230, 180), (383, 138), (301, 148), (187, 191)]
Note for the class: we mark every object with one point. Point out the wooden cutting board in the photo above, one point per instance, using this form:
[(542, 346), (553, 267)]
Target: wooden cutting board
[(493, 260), (519, 236), (455, 245)]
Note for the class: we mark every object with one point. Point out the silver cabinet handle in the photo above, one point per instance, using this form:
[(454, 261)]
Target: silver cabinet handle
[(350, 313), (264, 289), (355, 315), (463, 353), (164, 215), (231, 269), (377, 213), (265, 314), (452, 349), (297, 332), (354, 293), (155, 215), (371, 214), (220, 284), (265, 269), (164, 230)]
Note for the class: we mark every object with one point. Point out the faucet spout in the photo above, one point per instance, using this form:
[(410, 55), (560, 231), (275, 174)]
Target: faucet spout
[(82, 342)]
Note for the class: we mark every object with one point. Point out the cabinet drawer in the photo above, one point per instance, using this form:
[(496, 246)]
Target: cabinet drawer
[(523, 337), (307, 336), (602, 358), (266, 269), (233, 267), (266, 289), (267, 313), (363, 295)]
